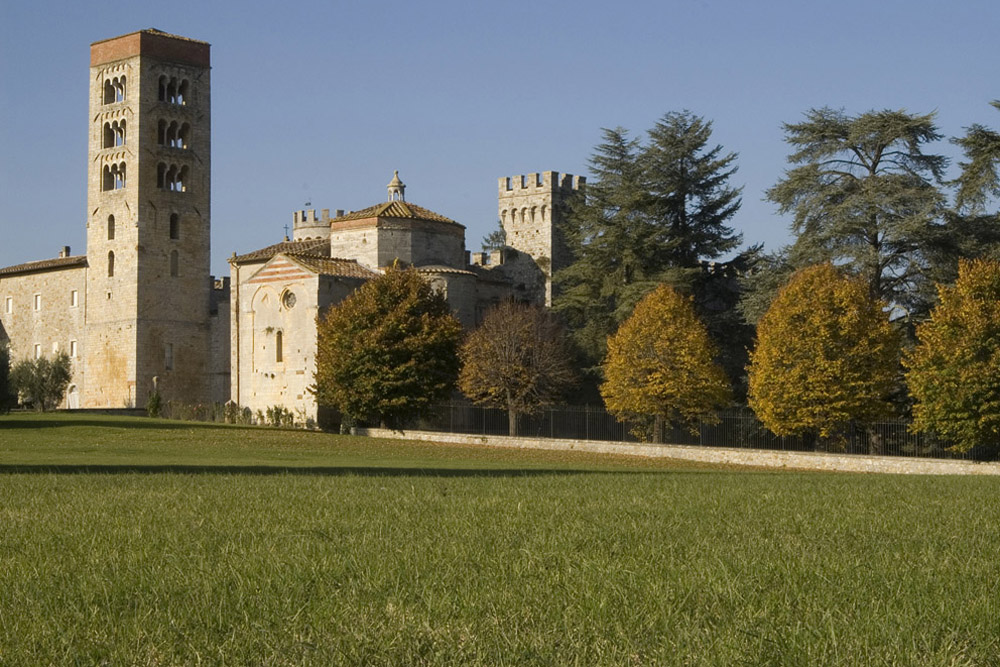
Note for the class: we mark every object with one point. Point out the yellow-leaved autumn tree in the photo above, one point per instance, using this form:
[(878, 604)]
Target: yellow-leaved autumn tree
[(660, 366), (826, 356), (954, 371)]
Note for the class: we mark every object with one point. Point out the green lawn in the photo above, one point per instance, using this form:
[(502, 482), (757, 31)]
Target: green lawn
[(133, 541)]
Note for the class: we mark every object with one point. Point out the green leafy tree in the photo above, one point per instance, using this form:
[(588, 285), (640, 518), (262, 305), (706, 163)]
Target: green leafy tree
[(660, 366), (953, 373), (649, 214), (388, 351), (826, 356), (42, 382), (865, 195), (518, 360), (6, 390)]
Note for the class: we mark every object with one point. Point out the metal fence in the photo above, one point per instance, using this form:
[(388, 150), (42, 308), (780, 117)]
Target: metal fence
[(738, 428)]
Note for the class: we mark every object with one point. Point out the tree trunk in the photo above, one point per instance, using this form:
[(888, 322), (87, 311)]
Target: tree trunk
[(512, 418)]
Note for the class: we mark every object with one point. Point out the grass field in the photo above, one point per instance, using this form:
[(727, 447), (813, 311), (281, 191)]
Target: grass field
[(132, 541)]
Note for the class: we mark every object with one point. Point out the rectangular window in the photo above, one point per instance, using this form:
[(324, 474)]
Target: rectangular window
[(168, 357), (8, 305), (74, 299), (38, 351), (72, 349), (38, 302)]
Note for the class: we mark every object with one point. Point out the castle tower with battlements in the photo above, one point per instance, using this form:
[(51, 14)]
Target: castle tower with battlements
[(531, 208), (148, 219)]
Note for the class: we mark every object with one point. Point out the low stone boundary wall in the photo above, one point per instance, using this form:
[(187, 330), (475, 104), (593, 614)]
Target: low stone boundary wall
[(749, 457)]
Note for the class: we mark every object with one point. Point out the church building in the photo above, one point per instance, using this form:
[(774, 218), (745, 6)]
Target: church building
[(139, 311)]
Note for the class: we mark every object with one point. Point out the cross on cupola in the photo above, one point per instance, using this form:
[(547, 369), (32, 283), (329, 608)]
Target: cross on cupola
[(396, 188)]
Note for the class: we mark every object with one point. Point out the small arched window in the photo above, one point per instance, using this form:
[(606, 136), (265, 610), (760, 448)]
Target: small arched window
[(175, 226), (111, 228), (279, 340), (109, 136), (174, 268), (111, 264)]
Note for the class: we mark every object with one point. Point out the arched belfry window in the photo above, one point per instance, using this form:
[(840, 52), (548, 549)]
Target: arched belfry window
[(114, 90), (173, 91), (111, 263), (175, 226), (113, 177), (171, 177), (279, 342), (111, 228)]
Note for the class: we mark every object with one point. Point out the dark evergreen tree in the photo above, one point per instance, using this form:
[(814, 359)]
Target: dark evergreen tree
[(690, 197), (649, 215), (866, 195), (979, 181)]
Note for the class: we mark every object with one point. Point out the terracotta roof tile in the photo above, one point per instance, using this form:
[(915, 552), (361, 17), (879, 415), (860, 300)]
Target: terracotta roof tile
[(309, 247), (45, 265), (334, 266), (395, 209)]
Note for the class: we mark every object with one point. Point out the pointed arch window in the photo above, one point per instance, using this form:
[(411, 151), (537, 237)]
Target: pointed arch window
[(111, 263), (111, 228)]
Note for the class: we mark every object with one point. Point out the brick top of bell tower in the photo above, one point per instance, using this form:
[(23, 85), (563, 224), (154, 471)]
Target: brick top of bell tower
[(151, 42)]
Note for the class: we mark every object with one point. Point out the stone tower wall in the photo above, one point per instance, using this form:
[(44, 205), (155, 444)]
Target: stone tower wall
[(150, 318), (531, 207)]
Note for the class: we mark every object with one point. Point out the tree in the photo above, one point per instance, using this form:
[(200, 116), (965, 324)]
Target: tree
[(979, 180), (518, 359), (953, 373), (388, 351), (6, 390), (690, 198), (42, 381), (826, 355), (650, 213), (660, 365), (495, 240), (865, 196)]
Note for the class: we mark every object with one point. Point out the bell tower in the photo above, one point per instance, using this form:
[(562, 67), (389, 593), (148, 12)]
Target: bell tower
[(148, 222)]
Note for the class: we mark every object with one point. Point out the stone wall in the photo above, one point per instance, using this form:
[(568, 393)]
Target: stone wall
[(745, 457), (531, 208), (45, 313), (376, 243), (283, 305), (148, 318)]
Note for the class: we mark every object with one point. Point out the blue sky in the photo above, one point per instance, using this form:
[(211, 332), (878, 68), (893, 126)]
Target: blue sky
[(321, 101)]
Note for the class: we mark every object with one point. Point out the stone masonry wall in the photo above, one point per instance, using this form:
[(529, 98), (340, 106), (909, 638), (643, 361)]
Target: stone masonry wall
[(530, 208), (57, 325), (747, 457), (148, 320)]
